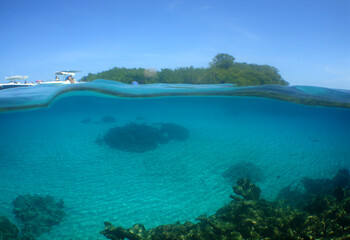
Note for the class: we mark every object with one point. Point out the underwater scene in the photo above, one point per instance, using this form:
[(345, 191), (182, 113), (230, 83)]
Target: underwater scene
[(89, 161)]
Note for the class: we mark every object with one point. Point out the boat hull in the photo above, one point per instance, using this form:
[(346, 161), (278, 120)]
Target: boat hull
[(14, 85)]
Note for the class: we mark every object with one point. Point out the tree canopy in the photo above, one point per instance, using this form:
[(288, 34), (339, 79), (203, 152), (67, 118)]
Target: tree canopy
[(222, 69), (222, 60)]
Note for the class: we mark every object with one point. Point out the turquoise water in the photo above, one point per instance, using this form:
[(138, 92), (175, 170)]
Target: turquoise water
[(52, 151)]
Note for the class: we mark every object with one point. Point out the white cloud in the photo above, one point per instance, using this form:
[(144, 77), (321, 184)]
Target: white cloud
[(337, 78)]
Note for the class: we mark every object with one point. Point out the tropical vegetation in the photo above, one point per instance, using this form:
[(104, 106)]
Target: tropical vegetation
[(222, 69)]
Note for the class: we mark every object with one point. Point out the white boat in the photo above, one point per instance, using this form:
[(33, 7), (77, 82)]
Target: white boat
[(68, 78), (14, 83), (56, 82)]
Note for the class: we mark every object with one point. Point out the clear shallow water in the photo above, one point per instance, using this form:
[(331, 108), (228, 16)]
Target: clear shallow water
[(50, 151)]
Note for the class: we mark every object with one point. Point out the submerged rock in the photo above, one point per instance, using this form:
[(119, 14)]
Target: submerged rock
[(37, 214), (342, 179), (108, 119), (134, 137), (8, 230), (244, 169), (300, 193)]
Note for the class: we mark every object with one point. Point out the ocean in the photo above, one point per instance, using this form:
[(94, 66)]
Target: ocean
[(53, 142)]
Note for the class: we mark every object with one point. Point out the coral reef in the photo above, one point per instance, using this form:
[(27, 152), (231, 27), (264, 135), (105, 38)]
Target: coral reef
[(8, 230), (117, 233), (37, 214), (325, 217), (244, 169), (133, 137), (246, 189), (139, 138)]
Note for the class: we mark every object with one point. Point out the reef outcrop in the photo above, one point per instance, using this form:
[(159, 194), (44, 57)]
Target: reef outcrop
[(299, 194), (8, 230), (134, 137), (246, 189), (250, 217), (37, 214)]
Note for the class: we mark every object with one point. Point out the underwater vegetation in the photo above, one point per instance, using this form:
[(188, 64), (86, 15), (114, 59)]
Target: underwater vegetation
[(248, 216), (244, 169), (37, 214), (8, 230), (134, 137)]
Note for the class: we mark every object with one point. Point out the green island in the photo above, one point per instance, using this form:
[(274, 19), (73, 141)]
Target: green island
[(222, 69)]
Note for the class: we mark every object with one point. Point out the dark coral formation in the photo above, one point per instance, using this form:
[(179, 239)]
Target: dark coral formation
[(327, 186), (170, 131), (324, 217), (300, 193), (133, 137), (246, 189), (117, 233), (244, 169), (8, 230), (139, 138), (86, 120), (108, 119), (37, 214)]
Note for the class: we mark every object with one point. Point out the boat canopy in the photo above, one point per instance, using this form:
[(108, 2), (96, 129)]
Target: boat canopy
[(67, 72), (16, 78)]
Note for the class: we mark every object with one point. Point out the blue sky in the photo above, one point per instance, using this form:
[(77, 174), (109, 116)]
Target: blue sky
[(307, 40)]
